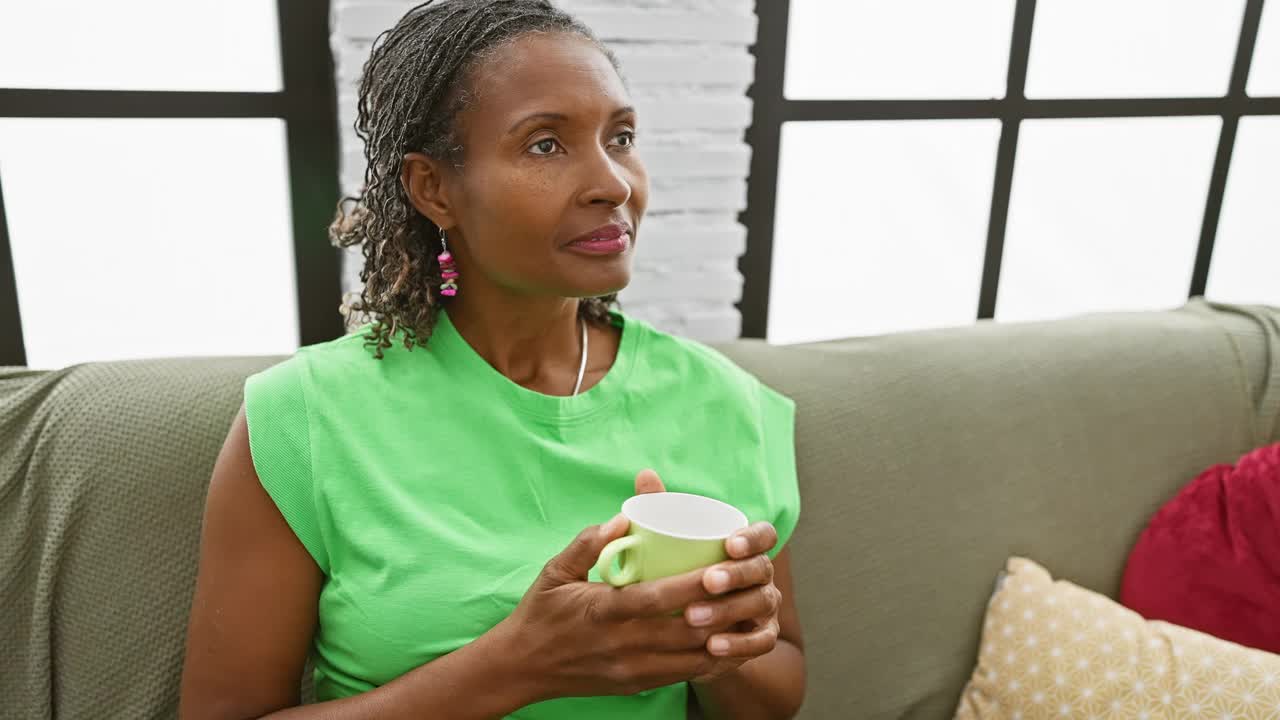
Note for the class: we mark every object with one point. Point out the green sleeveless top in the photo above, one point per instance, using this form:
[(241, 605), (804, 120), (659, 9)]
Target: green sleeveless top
[(431, 489)]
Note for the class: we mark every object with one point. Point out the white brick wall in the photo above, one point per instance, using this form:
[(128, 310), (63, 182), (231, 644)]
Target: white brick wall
[(689, 68)]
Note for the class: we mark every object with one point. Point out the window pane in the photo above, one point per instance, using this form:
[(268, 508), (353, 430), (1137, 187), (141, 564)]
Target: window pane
[(1133, 48), (1104, 215), (851, 49), (1246, 252), (140, 45), (881, 226), (149, 238), (1264, 73)]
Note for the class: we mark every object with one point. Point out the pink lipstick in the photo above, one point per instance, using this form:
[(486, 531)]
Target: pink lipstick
[(610, 239)]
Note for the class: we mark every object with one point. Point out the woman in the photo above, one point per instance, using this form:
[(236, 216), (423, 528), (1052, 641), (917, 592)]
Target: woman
[(398, 504)]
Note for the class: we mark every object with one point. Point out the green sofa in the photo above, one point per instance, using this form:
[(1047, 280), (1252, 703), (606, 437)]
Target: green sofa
[(925, 459)]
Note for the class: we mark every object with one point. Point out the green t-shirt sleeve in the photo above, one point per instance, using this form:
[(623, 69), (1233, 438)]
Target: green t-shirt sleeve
[(778, 429), (280, 443)]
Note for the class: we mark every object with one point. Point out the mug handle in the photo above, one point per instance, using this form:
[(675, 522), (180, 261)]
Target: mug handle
[(629, 571)]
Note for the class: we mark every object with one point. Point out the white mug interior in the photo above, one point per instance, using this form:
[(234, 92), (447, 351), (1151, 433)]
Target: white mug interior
[(684, 516)]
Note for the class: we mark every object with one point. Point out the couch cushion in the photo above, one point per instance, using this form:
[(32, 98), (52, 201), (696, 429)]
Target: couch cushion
[(1210, 558), (1055, 650), (927, 459), (103, 473)]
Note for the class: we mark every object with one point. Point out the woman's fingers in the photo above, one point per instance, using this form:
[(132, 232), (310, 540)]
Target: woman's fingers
[(668, 667), (759, 602), (673, 594), (672, 634), (647, 481), (745, 645), (653, 597), (754, 539), (739, 613), (738, 574)]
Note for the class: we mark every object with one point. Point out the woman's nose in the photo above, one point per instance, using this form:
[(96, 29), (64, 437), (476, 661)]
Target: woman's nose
[(605, 181)]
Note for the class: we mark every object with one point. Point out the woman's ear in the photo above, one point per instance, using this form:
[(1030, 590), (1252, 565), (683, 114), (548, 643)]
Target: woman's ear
[(423, 180)]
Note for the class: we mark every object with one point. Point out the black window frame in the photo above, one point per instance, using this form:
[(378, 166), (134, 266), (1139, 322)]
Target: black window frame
[(771, 108), (307, 103)]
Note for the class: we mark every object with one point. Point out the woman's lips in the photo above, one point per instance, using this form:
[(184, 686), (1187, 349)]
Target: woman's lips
[(608, 239), (612, 245)]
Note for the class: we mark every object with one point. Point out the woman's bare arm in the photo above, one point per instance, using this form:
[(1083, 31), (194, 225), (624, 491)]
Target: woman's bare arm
[(254, 612)]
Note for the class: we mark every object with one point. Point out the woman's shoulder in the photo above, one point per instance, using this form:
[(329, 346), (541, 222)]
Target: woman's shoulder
[(345, 361), (691, 361)]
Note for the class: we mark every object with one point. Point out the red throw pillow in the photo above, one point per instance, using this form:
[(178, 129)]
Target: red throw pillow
[(1210, 558)]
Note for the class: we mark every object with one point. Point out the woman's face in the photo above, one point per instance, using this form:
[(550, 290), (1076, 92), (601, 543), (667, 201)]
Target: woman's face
[(551, 192)]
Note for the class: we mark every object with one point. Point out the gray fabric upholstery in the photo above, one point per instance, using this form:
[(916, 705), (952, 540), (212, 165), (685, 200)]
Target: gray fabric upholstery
[(103, 472)]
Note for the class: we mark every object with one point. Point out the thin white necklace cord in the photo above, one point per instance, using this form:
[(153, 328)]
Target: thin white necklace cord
[(582, 365)]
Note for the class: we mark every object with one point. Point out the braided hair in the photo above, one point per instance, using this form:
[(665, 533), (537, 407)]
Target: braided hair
[(412, 88)]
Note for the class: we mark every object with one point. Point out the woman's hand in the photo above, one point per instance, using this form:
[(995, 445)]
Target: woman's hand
[(744, 607), (581, 638), (746, 603)]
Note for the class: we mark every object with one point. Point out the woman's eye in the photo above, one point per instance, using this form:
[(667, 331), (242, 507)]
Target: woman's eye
[(543, 147), (625, 139)]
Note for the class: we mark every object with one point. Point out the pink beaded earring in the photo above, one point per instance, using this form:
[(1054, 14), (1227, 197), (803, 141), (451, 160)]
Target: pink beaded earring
[(448, 271)]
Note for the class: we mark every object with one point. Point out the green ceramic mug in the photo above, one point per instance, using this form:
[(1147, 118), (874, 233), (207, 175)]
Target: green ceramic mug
[(671, 533)]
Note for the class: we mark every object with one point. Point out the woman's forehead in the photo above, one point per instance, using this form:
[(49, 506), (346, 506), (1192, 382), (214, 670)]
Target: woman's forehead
[(560, 73)]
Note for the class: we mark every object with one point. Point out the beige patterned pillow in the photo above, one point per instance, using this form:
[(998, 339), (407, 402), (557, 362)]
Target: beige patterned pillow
[(1054, 650)]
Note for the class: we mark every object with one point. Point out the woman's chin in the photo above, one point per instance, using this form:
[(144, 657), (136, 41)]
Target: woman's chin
[(585, 293), (602, 283)]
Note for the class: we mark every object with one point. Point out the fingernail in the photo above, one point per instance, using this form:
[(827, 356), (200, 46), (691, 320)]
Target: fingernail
[(739, 545), (700, 614), (718, 580), (719, 646)]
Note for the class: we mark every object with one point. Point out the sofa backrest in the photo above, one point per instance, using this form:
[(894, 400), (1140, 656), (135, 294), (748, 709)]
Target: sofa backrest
[(926, 459), (103, 474)]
